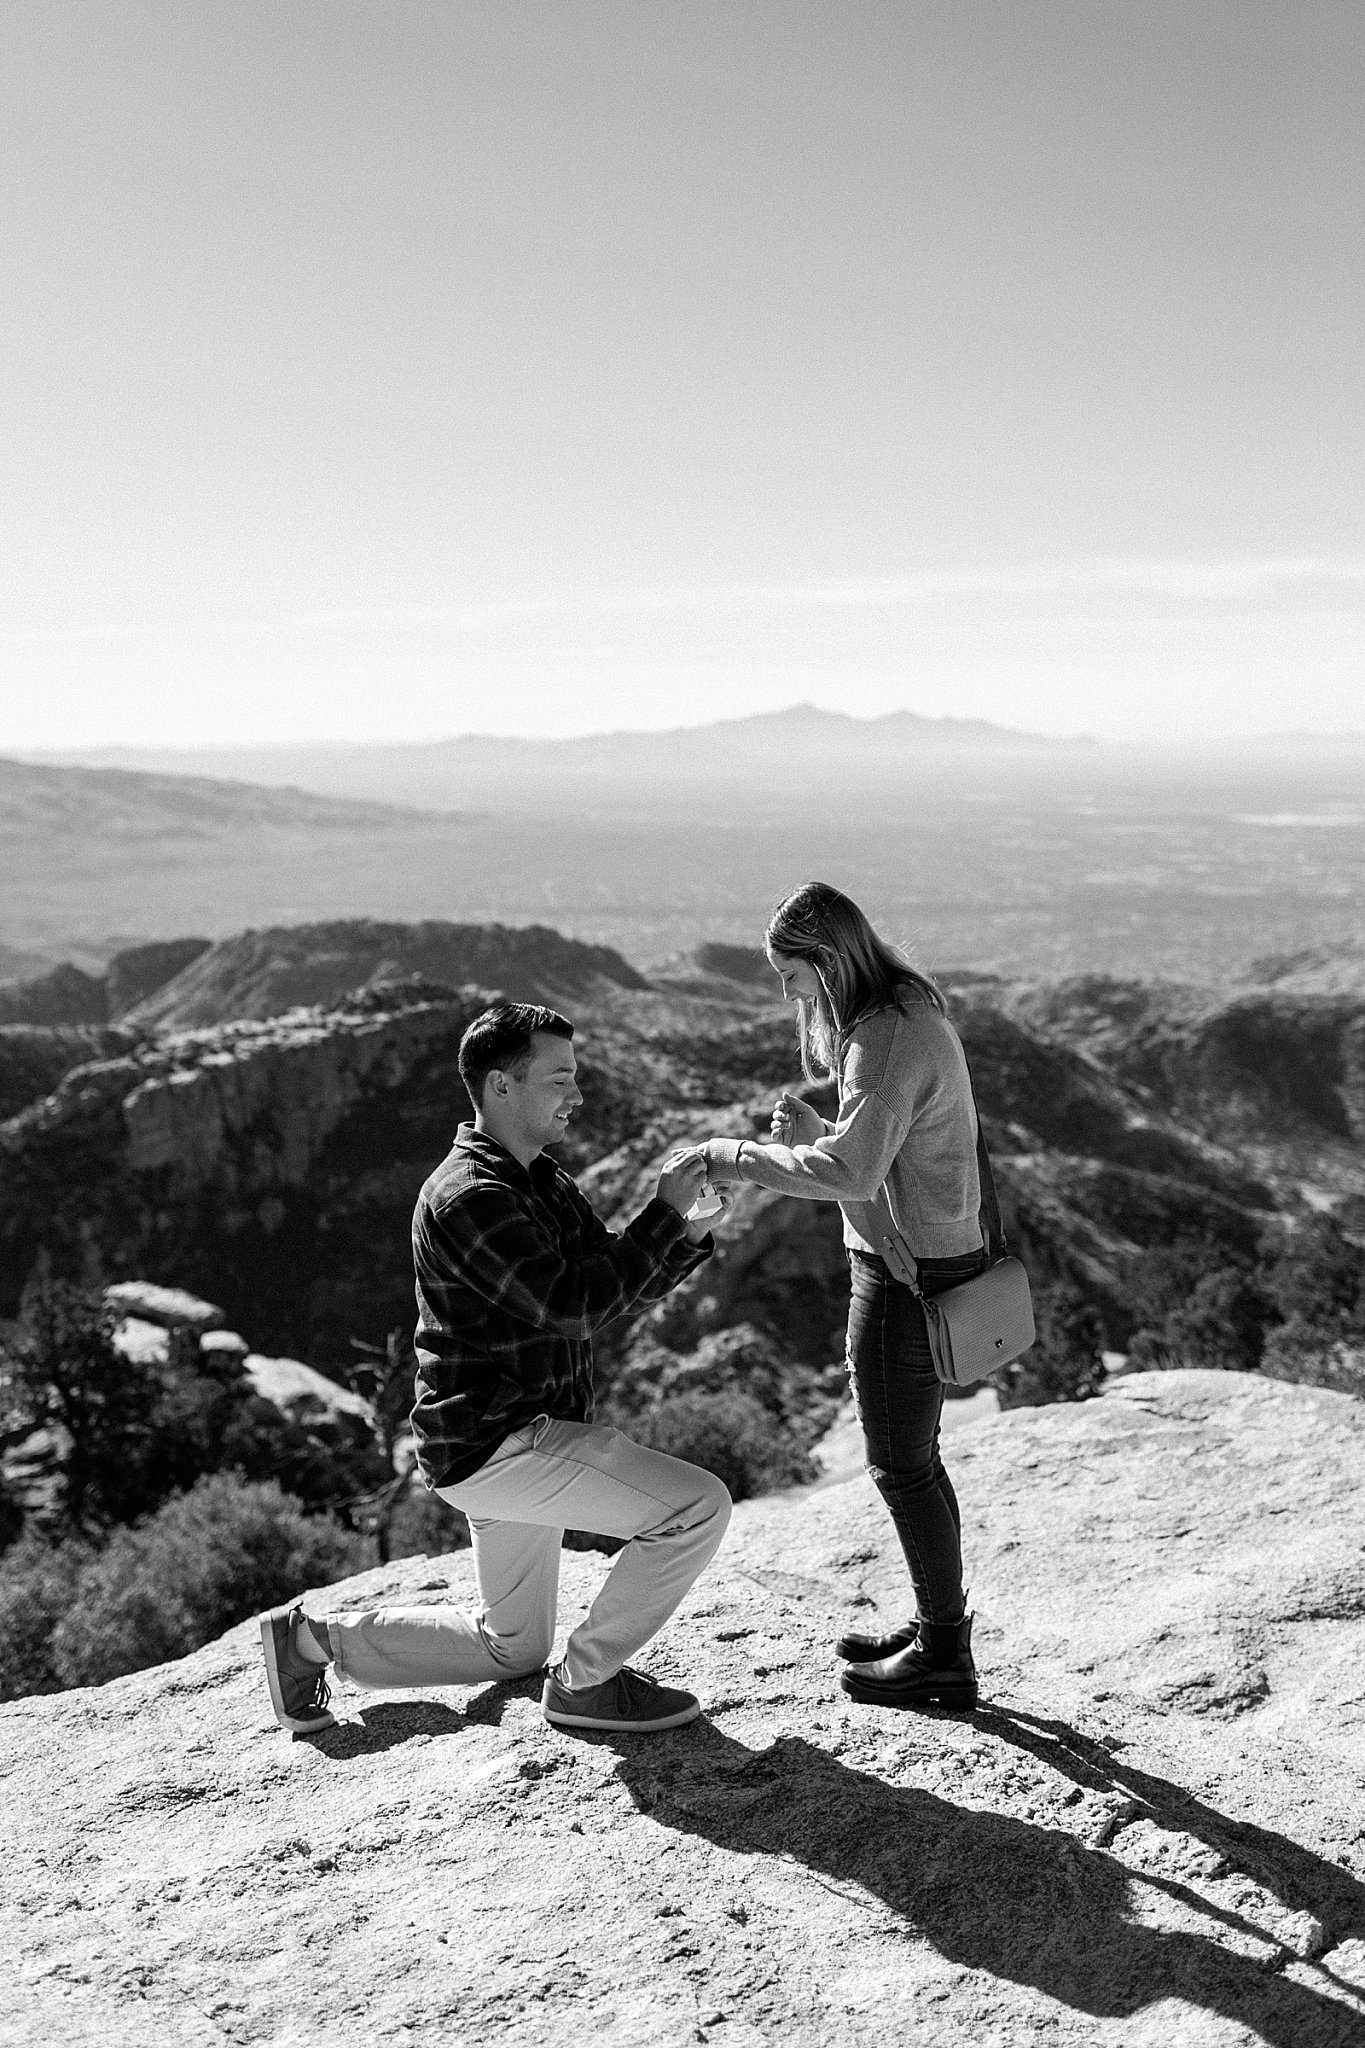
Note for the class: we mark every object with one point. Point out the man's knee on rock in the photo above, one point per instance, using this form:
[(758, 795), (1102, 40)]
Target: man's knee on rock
[(518, 1656), (720, 1507)]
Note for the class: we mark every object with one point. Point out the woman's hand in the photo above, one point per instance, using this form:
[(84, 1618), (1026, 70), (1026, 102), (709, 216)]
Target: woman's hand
[(795, 1122)]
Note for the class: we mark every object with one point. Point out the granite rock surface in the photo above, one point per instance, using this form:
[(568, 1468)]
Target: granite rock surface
[(1151, 1832)]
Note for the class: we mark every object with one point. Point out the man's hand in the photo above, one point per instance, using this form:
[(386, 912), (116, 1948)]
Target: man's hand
[(795, 1122), (681, 1179)]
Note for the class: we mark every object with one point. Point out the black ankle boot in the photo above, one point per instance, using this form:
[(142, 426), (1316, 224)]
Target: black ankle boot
[(856, 1649), (936, 1671)]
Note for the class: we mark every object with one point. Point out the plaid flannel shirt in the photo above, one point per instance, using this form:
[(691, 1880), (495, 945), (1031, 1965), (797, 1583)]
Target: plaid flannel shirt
[(515, 1272)]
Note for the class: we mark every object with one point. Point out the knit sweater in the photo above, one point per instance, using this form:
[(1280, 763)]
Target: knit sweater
[(906, 1118)]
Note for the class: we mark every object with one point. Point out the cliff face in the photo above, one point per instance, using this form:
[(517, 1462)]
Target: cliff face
[(271, 1167), (1150, 1832)]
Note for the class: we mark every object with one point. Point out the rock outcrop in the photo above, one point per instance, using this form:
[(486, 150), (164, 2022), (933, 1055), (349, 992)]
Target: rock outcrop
[(1152, 1831)]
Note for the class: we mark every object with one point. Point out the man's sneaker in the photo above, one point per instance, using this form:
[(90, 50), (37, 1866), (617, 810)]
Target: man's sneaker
[(298, 1689), (631, 1703)]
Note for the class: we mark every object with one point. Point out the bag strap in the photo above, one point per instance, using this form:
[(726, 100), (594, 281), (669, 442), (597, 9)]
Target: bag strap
[(991, 1220), (988, 1214)]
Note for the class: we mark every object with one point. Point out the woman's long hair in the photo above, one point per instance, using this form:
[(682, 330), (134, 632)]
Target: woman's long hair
[(857, 971)]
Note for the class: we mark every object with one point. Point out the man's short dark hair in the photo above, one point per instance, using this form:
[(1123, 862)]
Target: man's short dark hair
[(501, 1038)]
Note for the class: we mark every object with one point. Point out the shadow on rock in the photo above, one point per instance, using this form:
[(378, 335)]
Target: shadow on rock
[(1299, 1879), (1027, 1903), (387, 1724)]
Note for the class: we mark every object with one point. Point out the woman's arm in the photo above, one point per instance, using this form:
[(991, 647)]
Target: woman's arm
[(895, 1064), (848, 1164)]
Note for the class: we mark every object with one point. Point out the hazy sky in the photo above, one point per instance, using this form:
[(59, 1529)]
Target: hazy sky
[(397, 369)]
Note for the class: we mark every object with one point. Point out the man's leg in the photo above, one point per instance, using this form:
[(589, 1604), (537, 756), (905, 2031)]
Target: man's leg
[(542, 1480), (579, 1475), (516, 1568)]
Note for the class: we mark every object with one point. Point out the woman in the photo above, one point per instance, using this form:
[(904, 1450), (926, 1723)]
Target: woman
[(906, 1119)]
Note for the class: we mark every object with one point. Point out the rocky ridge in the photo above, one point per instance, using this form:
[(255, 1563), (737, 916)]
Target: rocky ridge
[(259, 974), (68, 995), (236, 1156), (1152, 1830)]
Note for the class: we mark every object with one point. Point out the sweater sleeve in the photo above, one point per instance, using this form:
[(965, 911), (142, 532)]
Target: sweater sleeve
[(849, 1164)]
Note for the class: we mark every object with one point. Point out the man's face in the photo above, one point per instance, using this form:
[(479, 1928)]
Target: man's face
[(545, 1097)]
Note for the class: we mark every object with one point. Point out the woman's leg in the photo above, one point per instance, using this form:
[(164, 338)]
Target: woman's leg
[(899, 1401)]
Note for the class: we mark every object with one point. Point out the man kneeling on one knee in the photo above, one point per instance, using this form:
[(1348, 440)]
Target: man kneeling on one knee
[(515, 1273)]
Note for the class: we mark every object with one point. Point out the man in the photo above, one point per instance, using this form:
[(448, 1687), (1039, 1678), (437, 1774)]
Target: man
[(515, 1273)]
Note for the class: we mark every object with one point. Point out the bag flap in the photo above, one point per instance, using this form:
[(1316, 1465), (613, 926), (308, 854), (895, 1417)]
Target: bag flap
[(990, 1316)]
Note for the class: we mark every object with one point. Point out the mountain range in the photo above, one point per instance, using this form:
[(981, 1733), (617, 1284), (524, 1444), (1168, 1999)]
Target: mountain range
[(437, 772)]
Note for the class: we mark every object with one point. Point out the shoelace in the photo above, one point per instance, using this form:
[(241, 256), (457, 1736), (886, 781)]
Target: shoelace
[(626, 1679), (322, 1692)]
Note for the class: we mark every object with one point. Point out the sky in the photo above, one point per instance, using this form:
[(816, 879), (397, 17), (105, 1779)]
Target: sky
[(381, 372)]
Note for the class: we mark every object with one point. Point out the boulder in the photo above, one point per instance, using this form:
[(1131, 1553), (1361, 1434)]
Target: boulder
[(1152, 1831), (170, 1308), (142, 1342), (224, 1344), (301, 1392)]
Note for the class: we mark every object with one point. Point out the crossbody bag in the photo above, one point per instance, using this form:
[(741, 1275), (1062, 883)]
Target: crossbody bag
[(986, 1321)]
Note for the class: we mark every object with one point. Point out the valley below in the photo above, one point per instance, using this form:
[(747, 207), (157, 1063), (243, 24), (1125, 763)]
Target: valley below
[(1004, 855)]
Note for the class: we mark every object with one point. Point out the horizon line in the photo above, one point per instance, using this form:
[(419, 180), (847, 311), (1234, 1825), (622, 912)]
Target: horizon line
[(1163, 741)]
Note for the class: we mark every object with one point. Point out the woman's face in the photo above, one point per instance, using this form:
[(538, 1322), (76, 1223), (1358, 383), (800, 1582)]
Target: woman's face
[(800, 982)]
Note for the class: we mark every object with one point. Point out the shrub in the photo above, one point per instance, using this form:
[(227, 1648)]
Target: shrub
[(206, 1560), (1298, 1351), (37, 1584), (1221, 1323), (1316, 1279), (1066, 1362), (61, 1369), (730, 1434)]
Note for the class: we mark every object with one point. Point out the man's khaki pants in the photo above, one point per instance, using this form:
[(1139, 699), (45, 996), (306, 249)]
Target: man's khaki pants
[(542, 1480)]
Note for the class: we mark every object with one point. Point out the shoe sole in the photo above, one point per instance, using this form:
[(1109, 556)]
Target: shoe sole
[(272, 1672), (602, 1723), (955, 1698)]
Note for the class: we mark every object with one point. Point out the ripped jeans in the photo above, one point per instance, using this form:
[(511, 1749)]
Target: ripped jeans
[(899, 1400)]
